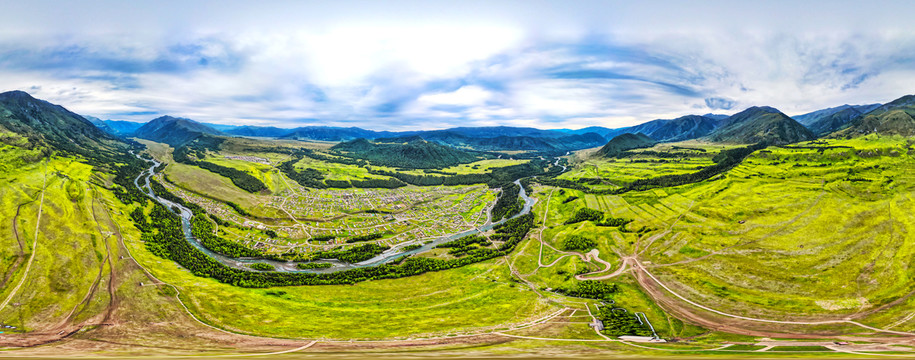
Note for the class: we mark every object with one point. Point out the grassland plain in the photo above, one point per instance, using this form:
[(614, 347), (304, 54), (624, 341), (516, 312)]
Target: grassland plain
[(474, 167)]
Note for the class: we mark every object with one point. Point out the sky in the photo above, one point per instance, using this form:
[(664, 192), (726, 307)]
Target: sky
[(408, 65)]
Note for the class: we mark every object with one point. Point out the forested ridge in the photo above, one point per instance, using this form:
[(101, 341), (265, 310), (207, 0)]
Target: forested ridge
[(415, 154)]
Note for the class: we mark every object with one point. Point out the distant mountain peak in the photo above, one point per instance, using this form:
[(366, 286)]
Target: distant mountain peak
[(174, 131), (767, 109), (16, 94), (761, 124)]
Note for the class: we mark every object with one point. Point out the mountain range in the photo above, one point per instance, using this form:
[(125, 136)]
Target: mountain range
[(894, 118), (758, 123), (822, 122)]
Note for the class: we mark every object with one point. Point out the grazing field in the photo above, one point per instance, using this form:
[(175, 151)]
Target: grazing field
[(679, 158), (468, 299), (559, 271), (338, 171), (53, 285), (472, 168), (81, 284)]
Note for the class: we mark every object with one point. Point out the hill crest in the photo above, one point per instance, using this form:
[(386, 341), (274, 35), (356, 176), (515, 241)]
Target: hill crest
[(174, 131), (761, 124), (624, 142)]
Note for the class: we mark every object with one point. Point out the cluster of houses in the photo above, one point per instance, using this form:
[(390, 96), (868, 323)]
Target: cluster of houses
[(409, 214), (253, 159)]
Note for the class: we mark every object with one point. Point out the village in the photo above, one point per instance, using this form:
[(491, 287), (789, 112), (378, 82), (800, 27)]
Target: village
[(253, 159), (334, 215)]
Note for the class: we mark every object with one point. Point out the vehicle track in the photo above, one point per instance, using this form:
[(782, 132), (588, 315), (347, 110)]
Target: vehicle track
[(20, 256), (28, 265), (659, 296), (113, 280)]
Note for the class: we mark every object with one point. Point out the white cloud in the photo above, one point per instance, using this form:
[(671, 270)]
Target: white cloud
[(464, 96), (386, 65)]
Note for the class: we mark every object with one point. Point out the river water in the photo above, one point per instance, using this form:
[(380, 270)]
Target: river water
[(395, 252)]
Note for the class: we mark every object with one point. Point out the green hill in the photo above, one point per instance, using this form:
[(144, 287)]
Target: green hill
[(173, 131), (761, 124), (894, 118), (625, 142), (414, 153)]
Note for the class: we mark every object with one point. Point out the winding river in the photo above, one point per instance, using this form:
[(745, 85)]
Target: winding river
[(395, 252)]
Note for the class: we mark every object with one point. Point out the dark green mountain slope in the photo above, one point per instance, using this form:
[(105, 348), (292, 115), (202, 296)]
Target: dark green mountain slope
[(679, 129), (324, 133), (122, 127), (761, 124), (259, 131), (664, 130), (625, 142), (835, 121), (50, 126), (894, 118), (415, 153), (99, 123), (173, 131), (825, 121)]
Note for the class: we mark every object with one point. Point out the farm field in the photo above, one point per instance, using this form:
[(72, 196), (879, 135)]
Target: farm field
[(403, 215)]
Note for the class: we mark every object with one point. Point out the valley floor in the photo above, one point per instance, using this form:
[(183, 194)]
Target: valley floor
[(779, 257)]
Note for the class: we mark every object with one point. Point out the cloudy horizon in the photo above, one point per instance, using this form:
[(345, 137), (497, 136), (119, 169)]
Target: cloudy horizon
[(433, 64)]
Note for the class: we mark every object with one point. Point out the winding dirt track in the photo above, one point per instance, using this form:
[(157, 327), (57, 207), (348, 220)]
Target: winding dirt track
[(687, 309), (654, 288), (20, 255), (28, 265), (593, 255)]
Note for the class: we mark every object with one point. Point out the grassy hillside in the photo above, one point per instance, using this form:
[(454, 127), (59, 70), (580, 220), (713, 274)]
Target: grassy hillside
[(894, 118), (763, 239)]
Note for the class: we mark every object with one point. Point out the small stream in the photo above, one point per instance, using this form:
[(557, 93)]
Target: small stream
[(395, 252)]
